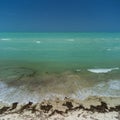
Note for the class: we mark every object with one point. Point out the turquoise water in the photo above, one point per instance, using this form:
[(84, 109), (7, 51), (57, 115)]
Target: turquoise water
[(86, 48), (67, 64)]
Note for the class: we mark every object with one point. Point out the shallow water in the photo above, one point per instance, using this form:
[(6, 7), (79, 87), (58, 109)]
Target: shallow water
[(35, 66)]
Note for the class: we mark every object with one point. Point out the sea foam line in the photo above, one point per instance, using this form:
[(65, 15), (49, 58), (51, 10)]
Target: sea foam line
[(38, 42), (102, 70), (5, 39), (110, 88), (70, 40)]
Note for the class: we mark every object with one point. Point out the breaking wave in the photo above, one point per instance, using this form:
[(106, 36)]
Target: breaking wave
[(5, 39), (106, 89), (102, 70)]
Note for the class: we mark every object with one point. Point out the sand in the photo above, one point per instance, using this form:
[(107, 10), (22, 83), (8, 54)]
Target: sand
[(92, 108)]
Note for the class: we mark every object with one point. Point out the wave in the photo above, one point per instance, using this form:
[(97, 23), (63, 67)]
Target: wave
[(113, 49), (114, 84), (110, 88), (102, 70), (5, 39), (70, 40), (22, 94), (19, 94), (38, 42), (109, 49)]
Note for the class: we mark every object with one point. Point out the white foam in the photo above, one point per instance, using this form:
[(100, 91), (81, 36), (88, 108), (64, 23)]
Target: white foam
[(4, 91), (102, 70), (70, 40), (114, 84), (116, 48), (109, 85), (19, 94), (113, 49), (2, 85), (109, 88), (38, 42), (22, 95), (108, 49), (10, 48), (117, 38), (5, 39)]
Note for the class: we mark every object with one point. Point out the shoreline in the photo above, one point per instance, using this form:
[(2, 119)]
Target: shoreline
[(92, 108), (24, 84)]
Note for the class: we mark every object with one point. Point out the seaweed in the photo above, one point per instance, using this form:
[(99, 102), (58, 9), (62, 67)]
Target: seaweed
[(56, 111), (3, 109), (99, 108), (27, 106), (46, 108), (68, 105), (14, 105)]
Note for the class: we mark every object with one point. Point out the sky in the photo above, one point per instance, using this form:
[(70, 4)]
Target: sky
[(59, 15)]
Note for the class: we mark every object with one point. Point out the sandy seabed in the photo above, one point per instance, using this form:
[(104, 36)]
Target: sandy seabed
[(92, 108)]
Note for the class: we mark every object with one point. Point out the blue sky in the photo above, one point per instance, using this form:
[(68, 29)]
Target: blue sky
[(59, 15)]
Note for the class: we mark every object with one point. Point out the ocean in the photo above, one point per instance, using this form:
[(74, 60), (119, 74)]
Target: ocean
[(37, 66)]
